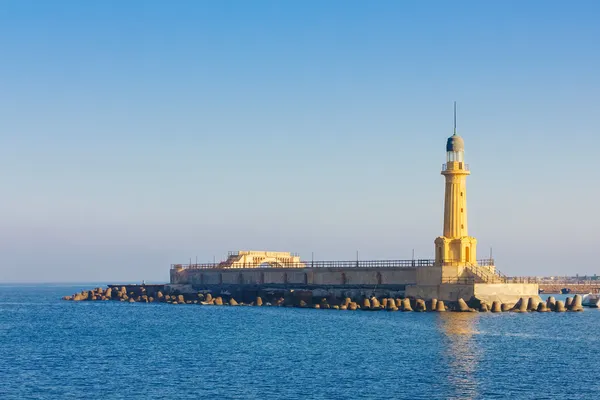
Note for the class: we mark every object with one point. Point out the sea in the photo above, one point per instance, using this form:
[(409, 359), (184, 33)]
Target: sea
[(54, 349)]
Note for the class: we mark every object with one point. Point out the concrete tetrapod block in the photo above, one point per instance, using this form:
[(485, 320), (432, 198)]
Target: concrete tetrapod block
[(551, 303), (232, 302), (398, 303), (532, 304), (219, 301), (462, 306), (352, 306), (420, 305), (375, 303), (560, 307), (209, 298), (384, 302), (366, 304), (391, 305), (347, 301), (576, 303), (568, 302), (521, 305), (542, 307), (439, 306), (505, 307), (483, 307), (496, 306), (406, 305), (432, 305), (259, 301)]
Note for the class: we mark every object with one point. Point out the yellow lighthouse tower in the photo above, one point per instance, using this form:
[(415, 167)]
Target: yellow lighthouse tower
[(455, 247), (455, 273)]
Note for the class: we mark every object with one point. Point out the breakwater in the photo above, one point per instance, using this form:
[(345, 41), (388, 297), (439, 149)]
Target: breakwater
[(307, 299), (580, 288)]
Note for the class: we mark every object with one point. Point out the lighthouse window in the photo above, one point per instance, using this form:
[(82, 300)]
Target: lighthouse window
[(461, 194), (461, 210)]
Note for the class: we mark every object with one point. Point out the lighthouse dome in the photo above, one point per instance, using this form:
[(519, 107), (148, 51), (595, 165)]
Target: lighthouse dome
[(455, 143)]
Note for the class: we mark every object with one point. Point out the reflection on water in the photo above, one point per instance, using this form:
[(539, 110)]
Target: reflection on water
[(461, 352)]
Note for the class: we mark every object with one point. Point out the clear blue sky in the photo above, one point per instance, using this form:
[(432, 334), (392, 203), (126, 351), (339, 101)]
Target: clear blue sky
[(141, 133)]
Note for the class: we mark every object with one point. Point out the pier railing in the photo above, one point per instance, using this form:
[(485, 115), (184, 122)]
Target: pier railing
[(332, 264)]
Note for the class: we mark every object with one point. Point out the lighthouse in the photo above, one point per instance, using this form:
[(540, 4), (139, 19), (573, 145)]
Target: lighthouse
[(455, 247)]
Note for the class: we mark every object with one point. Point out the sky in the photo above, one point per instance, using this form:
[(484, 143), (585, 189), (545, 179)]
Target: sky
[(138, 134)]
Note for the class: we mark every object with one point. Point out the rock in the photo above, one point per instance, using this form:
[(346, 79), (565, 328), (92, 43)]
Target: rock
[(433, 305), (232, 302), (352, 306), (420, 305), (366, 304), (576, 303), (259, 301), (180, 299), (559, 307), (462, 306), (406, 305), (219, 301), (496, 306), (542, 307), (551, 303), (440, 306)]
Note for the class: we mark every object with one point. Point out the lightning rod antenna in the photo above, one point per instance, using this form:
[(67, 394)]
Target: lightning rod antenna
[(455, 117)]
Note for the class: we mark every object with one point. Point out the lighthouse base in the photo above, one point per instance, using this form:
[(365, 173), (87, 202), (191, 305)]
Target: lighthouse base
[(508, 293)]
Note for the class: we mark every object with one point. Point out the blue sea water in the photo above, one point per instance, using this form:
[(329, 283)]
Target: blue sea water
[(53, 349)]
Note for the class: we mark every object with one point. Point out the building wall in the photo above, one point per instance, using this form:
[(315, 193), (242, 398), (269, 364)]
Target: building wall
[(300, 276)]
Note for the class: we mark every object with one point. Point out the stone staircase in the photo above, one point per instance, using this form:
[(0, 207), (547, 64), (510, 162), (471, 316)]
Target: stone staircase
[(484, 275)]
